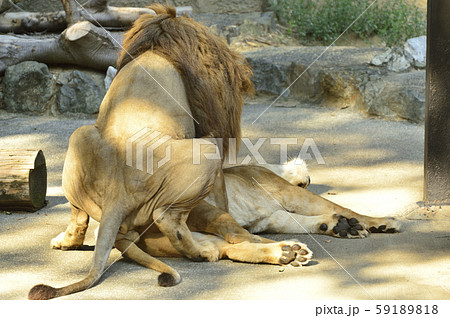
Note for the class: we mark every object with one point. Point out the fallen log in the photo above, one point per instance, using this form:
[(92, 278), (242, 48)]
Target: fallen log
[(23, 180), (81, 44), (110, 18)]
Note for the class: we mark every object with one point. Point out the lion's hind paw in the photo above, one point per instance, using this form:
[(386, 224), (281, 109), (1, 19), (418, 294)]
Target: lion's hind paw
[(294, 253), (346, 228), (387, 225)]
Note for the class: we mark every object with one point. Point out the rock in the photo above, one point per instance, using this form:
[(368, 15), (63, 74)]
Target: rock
[(416, 51), (306, 68), (398, 63), (393, 59), (80, 94), (232, 25), (342, 78), (27, 87), (110, 74), (397, 96), (382, 58), (268, 78)]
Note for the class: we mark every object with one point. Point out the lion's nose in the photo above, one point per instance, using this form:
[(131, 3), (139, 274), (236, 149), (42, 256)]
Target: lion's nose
[(305, 184)]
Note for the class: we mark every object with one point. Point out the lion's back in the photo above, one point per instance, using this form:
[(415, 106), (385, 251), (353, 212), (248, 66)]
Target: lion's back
[(147, 92)]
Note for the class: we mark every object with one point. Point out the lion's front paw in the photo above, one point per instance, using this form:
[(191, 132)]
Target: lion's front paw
[(209, 252), (340, 226), (56, 242), (294, 253), (63, 242)]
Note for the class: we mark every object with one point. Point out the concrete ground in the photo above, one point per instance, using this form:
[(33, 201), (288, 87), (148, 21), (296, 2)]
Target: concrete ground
[(372, 166)]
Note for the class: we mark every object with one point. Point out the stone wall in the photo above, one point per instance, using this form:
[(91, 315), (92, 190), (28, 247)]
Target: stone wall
[(342, 78), (32, 87), (199, 6)]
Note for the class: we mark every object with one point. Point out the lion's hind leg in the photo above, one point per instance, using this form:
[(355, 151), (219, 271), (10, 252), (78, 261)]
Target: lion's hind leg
[(351, 224), (341, 222), (74, 235)]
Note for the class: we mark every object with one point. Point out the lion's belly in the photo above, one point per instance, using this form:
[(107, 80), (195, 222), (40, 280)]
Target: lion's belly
[(248, 205)]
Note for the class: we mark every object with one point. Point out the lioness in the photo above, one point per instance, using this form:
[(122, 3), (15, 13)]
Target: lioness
[(262, 201)]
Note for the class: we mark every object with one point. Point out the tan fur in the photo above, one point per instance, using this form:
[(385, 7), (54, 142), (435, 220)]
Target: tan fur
[(214, 76), (261, 201), (201, 78)]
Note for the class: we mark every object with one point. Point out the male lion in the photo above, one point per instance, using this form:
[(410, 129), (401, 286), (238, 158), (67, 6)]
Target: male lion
[(182, 82)]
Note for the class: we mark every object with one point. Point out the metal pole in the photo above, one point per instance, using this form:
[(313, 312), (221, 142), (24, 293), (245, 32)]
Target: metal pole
[(437, 119)]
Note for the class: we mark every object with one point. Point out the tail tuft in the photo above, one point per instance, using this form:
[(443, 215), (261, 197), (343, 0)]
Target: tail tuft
[(167, 280), (42, 292)]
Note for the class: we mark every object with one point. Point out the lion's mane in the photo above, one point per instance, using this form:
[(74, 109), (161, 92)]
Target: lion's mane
[(214, 76)]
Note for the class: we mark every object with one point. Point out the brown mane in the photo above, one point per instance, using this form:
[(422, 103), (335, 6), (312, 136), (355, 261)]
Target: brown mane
[(213, 75)]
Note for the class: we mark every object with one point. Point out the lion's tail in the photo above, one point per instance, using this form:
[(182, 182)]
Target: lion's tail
[(169, 277)]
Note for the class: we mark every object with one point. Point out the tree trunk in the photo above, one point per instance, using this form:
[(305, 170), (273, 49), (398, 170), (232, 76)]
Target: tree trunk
[(110, 18), (81, 44), (23, 180)]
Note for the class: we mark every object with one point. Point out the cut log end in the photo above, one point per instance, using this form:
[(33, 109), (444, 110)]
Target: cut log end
[(23, 180)]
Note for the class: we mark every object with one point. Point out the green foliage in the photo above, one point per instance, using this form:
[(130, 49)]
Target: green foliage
[(394, 21)]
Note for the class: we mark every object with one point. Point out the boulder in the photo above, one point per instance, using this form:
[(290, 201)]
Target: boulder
[(415, 50), (27, 87), (398, 62), (342, 77), (308, 69), (396, 96), (78, 94), (393, 59), (413, 54)]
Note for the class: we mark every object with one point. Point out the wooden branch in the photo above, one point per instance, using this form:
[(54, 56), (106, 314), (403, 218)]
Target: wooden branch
[(4, 5), (110, 17), (72, 14), (81, 44), (23, 180)]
